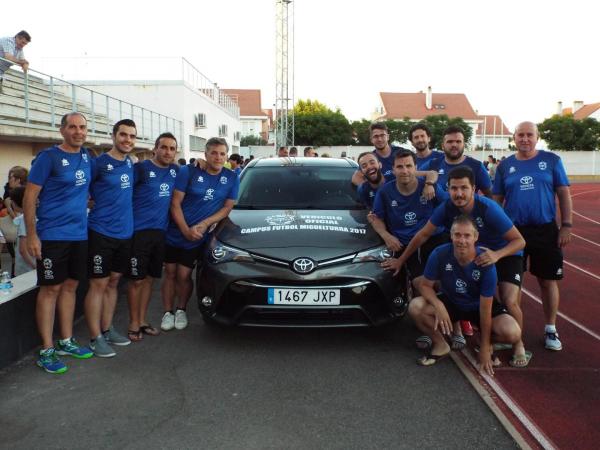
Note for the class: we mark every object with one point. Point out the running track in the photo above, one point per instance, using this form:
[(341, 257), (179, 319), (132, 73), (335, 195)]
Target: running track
[(555, 402)]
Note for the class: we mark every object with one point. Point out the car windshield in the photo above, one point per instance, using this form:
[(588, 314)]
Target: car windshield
[(298, 187)]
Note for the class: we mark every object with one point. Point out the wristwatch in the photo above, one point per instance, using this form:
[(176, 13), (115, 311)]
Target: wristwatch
[(430, 183)]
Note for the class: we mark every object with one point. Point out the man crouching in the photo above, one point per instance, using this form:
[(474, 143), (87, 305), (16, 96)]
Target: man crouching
[(467, 293)]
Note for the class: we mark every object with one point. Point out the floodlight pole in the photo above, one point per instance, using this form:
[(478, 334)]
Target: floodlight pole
[(284, 84)]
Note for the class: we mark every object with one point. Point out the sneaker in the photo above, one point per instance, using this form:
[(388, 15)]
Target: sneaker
[(50, 362), (552, 342), (168, 321), (113, 337), (180, 319), (101, 348), (72, 348), (466, 327)]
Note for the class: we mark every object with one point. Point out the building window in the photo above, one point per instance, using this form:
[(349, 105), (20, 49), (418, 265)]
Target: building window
[(197, 144), (223, 130)]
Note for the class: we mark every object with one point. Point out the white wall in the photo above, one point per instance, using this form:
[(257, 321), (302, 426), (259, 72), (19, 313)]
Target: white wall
[(495, 142), (14, 154), (251, 127)]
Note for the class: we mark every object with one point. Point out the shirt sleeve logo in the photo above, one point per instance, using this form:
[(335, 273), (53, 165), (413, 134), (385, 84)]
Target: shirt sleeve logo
[(223, 180), (542, 165), (476, 275), (173, 173)]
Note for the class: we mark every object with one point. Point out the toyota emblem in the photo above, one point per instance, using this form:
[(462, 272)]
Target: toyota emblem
[(303, 265)]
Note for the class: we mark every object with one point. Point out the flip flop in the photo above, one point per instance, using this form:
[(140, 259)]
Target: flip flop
[(458, 342), (149, 330), (423, 342), (499, 346), (135, 335), (521, 361), (430, 360)]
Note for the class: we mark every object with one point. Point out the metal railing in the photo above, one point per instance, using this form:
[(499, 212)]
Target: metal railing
[(46, 98)]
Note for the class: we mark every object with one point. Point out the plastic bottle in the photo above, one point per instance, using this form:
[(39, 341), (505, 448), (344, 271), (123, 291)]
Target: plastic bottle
[(5, 283)]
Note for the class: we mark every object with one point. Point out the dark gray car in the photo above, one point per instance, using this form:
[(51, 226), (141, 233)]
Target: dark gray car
[(297, 250)]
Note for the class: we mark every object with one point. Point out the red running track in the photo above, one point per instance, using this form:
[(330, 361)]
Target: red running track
[(559, 393)]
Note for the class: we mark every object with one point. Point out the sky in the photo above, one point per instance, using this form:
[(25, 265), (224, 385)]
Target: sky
[(516, 59)]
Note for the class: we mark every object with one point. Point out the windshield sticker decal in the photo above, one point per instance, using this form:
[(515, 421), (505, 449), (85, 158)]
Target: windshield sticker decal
[(311, 222)]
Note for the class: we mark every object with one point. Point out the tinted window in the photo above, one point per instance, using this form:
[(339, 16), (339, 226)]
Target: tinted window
[(298, 187)]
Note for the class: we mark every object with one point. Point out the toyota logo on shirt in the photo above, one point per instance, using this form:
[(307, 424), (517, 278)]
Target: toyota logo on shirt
[(164, 187), (124, 178), (460, 284), (79, 174), (526, 180), (303, 265), (410, 216)]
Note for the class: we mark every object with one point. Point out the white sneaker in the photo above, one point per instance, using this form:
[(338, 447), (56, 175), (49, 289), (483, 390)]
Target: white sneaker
[(180, 319), (552, 342), (168, 321)]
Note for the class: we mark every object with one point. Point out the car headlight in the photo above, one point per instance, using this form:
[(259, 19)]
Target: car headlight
[(221, 253), (377, 254)]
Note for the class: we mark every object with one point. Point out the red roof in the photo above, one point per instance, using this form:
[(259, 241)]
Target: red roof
[(493, 126), (401, 105), (586, 111), (248, 100)]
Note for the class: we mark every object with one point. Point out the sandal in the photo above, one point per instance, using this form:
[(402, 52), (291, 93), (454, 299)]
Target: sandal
[(521, 361), (499, 346), (149, 330), (135, 335), (458, 342), (423, 342), (430, 359)]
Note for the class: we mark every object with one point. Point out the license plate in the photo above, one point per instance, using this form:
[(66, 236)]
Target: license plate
[(307, 297)]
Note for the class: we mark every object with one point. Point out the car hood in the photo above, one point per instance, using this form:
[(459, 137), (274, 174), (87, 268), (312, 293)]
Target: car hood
[(289, 234)]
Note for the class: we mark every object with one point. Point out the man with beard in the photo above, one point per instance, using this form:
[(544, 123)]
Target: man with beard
[(371, 169), (528, 184), (110, 227), (501, 242), (454, 147), (420, 138)]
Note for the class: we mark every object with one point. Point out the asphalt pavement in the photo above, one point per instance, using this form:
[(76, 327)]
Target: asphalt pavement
[(247, 388)]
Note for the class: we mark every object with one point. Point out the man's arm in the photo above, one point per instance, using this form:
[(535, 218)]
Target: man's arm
[(515, 244), (487, 192), (485, 326), (565, 205), (358, 178), (205, 224), (418, 239), (390, 240), (498, 198), (32, 192), (190, 233), (431, 177)]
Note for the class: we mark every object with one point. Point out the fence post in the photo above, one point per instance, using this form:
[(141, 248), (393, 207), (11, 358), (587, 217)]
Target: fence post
[(26, 79), (52, 110)]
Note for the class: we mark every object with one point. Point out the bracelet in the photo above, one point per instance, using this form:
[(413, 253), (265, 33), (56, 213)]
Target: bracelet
[(567, 225), (430, 183)]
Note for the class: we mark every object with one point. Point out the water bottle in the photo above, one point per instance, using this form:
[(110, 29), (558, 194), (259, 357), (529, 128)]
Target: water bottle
[(5, 283)]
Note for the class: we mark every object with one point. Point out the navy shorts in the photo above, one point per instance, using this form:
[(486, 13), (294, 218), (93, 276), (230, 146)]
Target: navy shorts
[(472, 316), (106, 255), (185, 256), (62, 260), (147, 254), (542, 252)]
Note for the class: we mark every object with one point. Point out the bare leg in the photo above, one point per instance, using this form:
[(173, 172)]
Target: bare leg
[(66, 307), (424, 316), (184, 286), (44, 312), (134, 288), (550, 299), (145, 295), (110, 300), (167, 288), (510, 296), (93, 305)]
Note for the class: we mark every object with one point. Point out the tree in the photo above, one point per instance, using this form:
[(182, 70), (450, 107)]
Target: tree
[(252, 140), (317, 125), (398, 130), (567, 133), (439, 122)]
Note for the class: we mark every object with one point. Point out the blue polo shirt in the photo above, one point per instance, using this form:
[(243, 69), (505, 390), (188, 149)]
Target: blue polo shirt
[(366, 194), (492, 222), (482, 178), (65, 181), (205, 194), (434, 155), (152, 192), (112, 192), (529, 187), (405, 215), (462, 285), (387, 164)]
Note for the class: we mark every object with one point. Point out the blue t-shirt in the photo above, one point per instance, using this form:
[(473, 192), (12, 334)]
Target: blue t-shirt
[(65, 180), (152, 191), (492, 222), (529, 186), (366, 194), (112, 192), (387, 164), (238, 171), (405, 215), (205, 194), (432, 156), (482, 178), (462, 286)]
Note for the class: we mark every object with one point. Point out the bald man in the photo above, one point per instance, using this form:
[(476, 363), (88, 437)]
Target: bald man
[(526, 184)]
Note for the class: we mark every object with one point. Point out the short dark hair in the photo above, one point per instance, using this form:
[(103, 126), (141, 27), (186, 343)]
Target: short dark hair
[(418, 126), (361, 155), (306, 150), (16, 195), (164, 135), (404, 153), (20, 173), (65, 119), (294, 151), (23, 34), (215, 141), (462, 172), (378, 126), (125, 122), (453, 129), (181, 161), (236, 157), (464, 219), (192, 160)]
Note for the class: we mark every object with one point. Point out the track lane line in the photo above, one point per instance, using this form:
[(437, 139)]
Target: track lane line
[(565, 317), (584, 192), (586, 218), (586, 240), (582, 269)]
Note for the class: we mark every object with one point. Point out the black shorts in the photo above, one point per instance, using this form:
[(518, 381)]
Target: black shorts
[(417, 261), (147, 254), (510, 269), (542, 250), (62, 260), (472, 316), (184, 256), (106, 255)]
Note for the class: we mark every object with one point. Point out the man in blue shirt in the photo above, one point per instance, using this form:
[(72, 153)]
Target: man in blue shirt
[(59, 179), (528, 184), (154, 180), (235, 161), (501, 242), (371, 169), (202, 197), (467, 293), (110, 225), (454, 147), (420, 138)]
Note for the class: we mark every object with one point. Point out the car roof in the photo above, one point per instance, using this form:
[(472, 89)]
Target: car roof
[(302, 161)]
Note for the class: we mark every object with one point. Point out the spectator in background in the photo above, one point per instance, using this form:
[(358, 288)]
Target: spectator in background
[(294, 151), (181, 161), (11, 48), (192, 160), (283, 152), (309, 151), (491, 167), (24, 262), (235, 162), (247, 160), (17, 176)]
